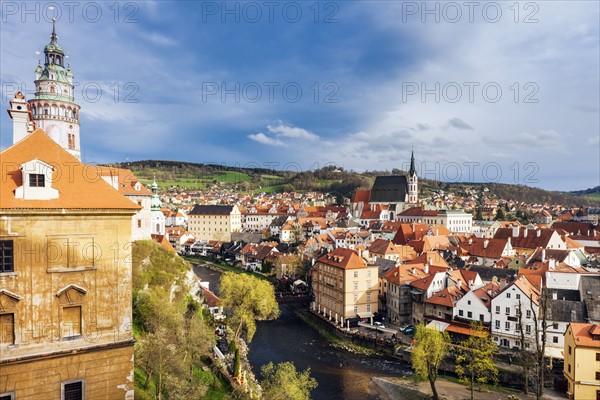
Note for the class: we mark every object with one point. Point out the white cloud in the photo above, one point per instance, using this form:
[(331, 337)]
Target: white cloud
[(275, 134), (284, 130), (264, 139)]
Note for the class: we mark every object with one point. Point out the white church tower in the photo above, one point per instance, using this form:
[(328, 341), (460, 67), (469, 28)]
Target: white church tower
[(53, 108), (413, 181)]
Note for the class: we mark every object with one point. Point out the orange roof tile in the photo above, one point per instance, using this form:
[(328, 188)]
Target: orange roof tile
[(447, 297), (78, 185), (343, 258), (586, 334), (127, 180)]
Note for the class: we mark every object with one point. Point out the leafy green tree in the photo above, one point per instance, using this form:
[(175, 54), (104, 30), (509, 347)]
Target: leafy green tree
[(428, 353), (284, 382), (474, 358), (157, 355), (171, 335), (250, 299)]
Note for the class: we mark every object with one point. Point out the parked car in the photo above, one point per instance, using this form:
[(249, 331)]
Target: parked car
[(409, 330), (378, 325)]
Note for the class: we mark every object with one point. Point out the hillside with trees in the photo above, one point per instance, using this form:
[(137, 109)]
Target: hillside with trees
[(173, 339), (330, 179)]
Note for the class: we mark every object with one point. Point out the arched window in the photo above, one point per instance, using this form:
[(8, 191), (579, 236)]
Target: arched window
[(51, 89)]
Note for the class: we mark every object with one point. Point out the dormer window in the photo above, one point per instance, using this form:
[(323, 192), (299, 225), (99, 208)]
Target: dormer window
[(37, 180)]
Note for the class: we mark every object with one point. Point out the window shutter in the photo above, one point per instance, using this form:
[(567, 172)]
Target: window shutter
[(73, 391)]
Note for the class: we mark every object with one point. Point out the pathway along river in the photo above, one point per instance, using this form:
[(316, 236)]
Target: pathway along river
[(340, 374)]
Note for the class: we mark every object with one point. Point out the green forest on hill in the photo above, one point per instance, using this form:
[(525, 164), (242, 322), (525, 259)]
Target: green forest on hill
[(333, 180)]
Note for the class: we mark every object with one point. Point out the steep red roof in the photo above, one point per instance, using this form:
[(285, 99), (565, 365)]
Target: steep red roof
[(487, 292), (78, 185), (483, 247), (586, 334), (343, 258), (127, 181), (526, 238), (447, 297), (362, 195), (407, 232)]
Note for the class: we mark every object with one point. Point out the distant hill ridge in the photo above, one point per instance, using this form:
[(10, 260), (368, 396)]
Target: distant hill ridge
[(331, 179), (595, 190)]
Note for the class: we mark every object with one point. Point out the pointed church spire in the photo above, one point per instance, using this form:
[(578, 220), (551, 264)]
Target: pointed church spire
[(412, 171)]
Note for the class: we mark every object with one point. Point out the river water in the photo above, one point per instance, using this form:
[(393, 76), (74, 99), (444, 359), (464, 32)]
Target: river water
[(340, 374)]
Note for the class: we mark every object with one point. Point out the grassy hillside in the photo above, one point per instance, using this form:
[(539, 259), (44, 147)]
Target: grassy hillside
[(329, 179)]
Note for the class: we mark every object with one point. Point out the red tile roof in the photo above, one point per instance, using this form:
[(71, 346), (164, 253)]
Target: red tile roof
[(78, 185), (584, 334), (447, 297), (127, 181), (362, 195), (343, 258)]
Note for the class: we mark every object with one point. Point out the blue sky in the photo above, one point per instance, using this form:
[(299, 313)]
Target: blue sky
[(502, 91)]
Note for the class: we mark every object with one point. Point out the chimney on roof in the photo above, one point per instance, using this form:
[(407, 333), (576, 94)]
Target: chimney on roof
[(552, 264), (485, 243), (554, 296), (470, 240), (426, 268), (539, 232), (459, 283), (515, 231), (525, 232), (413, 271), (20, 113), (471, 283)]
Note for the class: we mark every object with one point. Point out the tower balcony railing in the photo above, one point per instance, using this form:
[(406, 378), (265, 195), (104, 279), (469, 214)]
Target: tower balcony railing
[(38, 117)]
